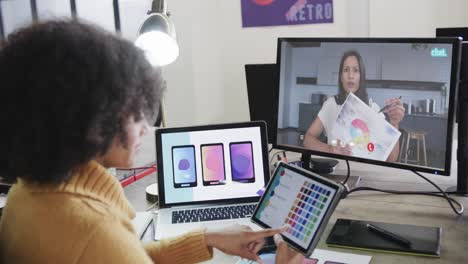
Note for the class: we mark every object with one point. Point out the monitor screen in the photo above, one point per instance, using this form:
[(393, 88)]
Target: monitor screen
[(381, 101)]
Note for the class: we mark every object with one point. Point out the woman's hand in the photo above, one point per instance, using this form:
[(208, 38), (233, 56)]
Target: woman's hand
[(395, 111), (338, 148), (341, 150), (286, 255), (240, 240)]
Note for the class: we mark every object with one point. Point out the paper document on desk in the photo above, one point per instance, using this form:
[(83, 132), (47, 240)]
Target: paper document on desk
[(319, 256), (366, 131), (331, 257), (141, 221)]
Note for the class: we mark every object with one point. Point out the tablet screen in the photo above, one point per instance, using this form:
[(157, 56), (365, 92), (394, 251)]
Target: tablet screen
[(294, 197)]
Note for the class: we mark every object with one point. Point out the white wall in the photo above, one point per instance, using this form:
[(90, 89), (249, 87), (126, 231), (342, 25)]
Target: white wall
[(49, 9), (415, 18), (100, 12), (16, 14), (132, 15)]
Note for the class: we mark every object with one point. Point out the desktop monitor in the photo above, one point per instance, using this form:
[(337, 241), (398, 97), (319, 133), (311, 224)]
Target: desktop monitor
[(383, 101), (262, 89)]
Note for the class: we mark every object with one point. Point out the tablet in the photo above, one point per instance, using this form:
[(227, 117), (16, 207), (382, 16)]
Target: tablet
[(303, 200)]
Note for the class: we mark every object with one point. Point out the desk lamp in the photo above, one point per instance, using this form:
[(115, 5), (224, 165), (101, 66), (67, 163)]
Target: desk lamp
[(157, 36)]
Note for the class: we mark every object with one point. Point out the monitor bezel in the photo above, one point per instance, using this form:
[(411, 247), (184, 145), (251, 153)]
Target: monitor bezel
[(160, 168), (456, 43)]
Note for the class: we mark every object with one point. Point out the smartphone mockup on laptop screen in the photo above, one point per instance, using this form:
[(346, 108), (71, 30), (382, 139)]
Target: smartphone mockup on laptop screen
[(301, 199), (184, 167), (213, 166), (242, 162)]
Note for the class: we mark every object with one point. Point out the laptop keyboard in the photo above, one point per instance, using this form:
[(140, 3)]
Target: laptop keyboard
[(211, 214)]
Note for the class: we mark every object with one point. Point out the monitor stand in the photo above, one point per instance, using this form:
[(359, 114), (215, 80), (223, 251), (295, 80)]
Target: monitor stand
[(325, 167)]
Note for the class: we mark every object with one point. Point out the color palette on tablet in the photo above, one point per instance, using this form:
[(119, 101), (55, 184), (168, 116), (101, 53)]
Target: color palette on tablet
[(307, 210), (298, 201)]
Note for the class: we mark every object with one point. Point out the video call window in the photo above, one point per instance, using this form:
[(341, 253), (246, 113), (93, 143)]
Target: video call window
[(380, 101)]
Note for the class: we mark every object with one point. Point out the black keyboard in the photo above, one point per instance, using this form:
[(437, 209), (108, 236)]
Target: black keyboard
[(214, 213)]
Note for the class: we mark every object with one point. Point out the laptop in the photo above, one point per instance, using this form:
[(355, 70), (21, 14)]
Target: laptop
[(209, 176)]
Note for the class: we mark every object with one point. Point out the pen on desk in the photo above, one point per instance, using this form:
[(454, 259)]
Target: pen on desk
[(387, 106), (148, 226), (389, 235)]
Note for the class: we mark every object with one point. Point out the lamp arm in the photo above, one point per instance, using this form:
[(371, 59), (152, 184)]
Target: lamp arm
[(158, 6)]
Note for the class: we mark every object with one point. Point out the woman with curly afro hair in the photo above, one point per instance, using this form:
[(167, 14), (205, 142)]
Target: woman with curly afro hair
[(74, 101)]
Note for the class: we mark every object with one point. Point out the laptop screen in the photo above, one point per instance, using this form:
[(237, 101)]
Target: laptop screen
[(210, 164)]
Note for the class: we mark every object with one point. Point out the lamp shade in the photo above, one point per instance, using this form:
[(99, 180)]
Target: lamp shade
[(157, 38)]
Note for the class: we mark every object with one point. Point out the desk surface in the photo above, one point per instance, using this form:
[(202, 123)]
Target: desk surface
[(403, 209)]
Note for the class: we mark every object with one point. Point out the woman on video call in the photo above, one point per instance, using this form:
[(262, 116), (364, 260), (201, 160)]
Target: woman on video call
[(352, 79)]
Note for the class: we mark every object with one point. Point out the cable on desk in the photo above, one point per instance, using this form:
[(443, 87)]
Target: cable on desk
[(440, 193), (348, 174), (152, 206), (449, 199)]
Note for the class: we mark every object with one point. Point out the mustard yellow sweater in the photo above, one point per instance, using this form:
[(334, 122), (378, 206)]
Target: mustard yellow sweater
[(86, 220)]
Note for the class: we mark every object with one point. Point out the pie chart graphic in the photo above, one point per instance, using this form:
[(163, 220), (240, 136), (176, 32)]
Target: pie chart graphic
[(359, 131)]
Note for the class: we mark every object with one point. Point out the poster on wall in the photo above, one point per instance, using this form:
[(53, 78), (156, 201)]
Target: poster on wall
[(260, 13)]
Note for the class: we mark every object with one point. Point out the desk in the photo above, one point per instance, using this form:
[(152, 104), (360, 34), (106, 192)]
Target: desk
[(404, 209)]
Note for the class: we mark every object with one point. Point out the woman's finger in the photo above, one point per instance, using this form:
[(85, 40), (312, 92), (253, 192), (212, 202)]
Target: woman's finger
[(396, 113), (278, 239), (268, 232), (257, 247), (398, 110), (251, 246)]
